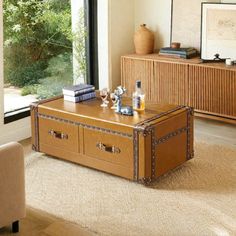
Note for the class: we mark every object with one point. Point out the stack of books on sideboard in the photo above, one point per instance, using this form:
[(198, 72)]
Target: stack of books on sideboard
[(79, 93), (185, 53)]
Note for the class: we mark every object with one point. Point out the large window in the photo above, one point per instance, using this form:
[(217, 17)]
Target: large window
[(46, 47)]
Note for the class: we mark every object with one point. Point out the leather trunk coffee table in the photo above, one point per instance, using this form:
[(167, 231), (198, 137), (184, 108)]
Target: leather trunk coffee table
[(140, 147)]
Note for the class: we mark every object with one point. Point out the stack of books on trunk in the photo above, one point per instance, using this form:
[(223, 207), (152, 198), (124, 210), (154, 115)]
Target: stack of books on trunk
[(185, 53), (79, 93)]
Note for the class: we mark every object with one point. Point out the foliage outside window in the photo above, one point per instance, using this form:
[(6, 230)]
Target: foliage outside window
[(39, 46)]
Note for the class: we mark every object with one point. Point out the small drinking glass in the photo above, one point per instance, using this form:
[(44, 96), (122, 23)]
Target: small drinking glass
[(114, 100), (104, 95)]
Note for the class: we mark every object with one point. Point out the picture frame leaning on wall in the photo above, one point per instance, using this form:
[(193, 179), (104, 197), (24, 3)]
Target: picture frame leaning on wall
[(186, 22), (218, 31)]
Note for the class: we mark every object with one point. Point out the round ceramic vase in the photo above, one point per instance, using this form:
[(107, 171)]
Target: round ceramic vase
[(144, 40)]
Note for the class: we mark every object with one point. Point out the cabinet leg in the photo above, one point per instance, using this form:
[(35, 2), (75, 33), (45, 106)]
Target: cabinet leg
[(15, 227)]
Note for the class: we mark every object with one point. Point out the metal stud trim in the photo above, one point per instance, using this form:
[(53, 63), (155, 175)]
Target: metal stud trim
[(34, 148), (154, 157), (108, 131), (190, 112), (34, 109), (136, 153), (170, 135), (145, 181)]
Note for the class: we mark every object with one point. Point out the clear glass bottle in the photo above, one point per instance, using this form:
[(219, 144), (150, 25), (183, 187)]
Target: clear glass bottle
[(138, 97)]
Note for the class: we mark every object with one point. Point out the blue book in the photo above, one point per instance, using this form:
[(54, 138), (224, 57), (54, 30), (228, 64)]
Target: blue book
[(80, 98), (179, 51), (175, 55), (77, 90)]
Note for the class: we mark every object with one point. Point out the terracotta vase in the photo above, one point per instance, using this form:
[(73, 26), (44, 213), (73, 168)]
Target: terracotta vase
[(144, 40)]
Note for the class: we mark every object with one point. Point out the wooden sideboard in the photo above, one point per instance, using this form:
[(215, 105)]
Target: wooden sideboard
[(208, 87)]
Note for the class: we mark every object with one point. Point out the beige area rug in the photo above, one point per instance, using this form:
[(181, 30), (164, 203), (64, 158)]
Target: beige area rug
[(198, 198)]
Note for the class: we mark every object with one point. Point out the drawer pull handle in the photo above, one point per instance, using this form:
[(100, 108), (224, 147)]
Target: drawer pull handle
[(105, 148), (57, 134)]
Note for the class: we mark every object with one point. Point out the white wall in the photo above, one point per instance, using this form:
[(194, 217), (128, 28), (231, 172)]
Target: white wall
[(15, 131), (156, 15), (103, 43), (228, 1), (117, 22), (115, 38), (121, 34)]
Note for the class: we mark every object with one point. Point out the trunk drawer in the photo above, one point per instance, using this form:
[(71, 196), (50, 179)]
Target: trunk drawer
[(58, 134), (108, 147)]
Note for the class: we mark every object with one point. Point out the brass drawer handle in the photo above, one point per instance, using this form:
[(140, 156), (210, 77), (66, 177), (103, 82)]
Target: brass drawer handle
[(105, 148), (58, 134)]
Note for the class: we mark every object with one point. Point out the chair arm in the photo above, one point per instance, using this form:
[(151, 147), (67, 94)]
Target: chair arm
[(12, 183)]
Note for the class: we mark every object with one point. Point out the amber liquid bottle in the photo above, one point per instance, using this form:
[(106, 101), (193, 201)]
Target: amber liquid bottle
[(138, 98)]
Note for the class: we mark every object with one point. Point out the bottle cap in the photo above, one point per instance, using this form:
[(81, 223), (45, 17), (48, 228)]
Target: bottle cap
[(138, 83)]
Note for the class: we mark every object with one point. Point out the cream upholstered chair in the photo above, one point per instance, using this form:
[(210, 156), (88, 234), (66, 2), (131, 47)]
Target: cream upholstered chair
[(12, 185)]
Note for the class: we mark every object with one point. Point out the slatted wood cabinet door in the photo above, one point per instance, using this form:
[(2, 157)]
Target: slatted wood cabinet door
[(137, 69), (170, 83), (162, 82), (212, 90)]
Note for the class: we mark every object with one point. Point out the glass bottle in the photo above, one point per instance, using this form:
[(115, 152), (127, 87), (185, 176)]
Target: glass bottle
[(138, 97)]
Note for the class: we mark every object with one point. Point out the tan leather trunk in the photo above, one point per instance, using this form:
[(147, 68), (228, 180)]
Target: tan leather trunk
[(140, 147)]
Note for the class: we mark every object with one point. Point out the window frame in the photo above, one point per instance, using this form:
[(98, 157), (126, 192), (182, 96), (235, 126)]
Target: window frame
[(91, 42)]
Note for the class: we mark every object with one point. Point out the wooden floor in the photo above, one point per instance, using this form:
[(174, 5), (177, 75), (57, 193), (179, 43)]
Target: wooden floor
[(38, 223), (215, 132)]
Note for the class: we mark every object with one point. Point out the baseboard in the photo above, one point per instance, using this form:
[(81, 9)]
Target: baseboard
[(15, 131), (210, 116)]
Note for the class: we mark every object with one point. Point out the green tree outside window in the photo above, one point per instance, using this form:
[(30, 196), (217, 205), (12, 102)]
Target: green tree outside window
[(39, 45)]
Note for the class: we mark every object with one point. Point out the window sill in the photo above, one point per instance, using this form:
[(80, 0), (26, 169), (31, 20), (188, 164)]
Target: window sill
[(16, 115)]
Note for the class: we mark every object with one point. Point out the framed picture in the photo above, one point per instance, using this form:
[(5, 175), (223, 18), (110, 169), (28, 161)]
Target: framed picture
[(186, 22), (218, 31)]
